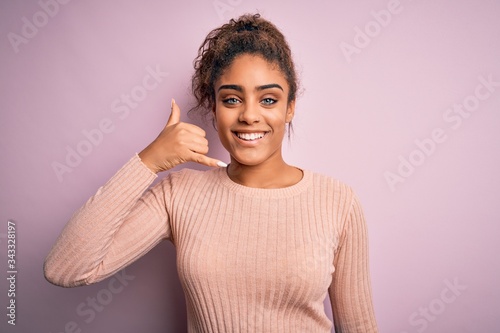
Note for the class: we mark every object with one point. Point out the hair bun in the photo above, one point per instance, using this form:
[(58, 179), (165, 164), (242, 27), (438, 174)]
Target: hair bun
[(247, 27), (248, 23)]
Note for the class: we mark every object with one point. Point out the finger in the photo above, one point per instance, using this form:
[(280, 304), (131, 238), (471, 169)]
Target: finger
[(193, 129), (199, 146), (208, 161), (175, 114)]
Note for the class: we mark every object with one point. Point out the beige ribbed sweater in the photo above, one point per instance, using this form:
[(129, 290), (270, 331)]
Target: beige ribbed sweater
[(249, 259)]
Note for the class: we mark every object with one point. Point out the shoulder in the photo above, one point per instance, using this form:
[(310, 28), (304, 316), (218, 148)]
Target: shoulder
[(338, 195), (328, 184)]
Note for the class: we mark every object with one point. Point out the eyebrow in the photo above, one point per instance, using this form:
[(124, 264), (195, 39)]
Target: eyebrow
[(258, 88)]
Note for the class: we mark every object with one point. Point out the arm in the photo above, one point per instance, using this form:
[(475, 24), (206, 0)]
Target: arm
[(112, 229), (350, 291), (119, 224)]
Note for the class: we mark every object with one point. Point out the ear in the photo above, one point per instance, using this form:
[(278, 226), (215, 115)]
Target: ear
[(214, 118), (290, 111), (214, 114)]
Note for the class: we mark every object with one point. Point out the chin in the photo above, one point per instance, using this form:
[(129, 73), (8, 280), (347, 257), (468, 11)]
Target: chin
[(248, 160)]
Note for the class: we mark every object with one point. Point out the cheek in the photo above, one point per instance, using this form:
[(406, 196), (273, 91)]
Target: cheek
[(278, 120), (223, 124), (226, 117)]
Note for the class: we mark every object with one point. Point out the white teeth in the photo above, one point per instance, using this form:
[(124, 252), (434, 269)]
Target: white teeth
[(250, 136)]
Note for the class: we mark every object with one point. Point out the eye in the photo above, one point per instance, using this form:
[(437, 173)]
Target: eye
[(268, 101), (230, 100)]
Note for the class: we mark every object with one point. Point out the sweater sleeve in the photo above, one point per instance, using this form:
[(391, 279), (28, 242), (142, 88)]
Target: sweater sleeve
[(115, 227), (350, 290)]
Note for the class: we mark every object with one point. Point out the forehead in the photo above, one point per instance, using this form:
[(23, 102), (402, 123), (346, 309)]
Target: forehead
[(251, 71)]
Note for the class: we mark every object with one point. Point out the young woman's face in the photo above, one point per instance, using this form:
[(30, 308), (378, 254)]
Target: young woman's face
[(252, 109)]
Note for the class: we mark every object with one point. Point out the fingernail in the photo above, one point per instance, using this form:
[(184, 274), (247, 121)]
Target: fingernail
[(221, 164), (172, 103)]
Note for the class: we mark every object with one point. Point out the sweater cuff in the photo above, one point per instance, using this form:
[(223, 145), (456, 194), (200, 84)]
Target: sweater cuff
[(137, 160)]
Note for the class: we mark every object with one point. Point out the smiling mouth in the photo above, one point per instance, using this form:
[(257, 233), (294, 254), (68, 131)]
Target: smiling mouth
[(250, 136)]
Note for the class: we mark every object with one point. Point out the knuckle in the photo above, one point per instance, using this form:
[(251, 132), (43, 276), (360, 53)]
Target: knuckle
[(198, 158)]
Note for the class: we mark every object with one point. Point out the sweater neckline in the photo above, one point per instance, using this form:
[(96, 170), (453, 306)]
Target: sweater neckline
[(282, 192)]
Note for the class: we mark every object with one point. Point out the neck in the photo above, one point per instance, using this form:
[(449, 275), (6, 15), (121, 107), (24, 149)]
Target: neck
[(277, 174)]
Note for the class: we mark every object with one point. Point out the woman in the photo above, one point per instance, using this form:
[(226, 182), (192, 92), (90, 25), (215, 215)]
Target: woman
[(259, 243)]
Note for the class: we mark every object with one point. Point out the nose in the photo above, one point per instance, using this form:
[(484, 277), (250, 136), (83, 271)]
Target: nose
[(250, 113)]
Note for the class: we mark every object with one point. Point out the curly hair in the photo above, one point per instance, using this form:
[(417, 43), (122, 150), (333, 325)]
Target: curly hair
[(249, 34)]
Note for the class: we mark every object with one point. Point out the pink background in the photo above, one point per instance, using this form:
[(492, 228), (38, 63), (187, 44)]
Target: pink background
[(358, 117)]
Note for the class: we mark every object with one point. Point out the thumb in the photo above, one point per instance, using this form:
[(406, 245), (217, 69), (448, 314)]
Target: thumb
[(175, 114)]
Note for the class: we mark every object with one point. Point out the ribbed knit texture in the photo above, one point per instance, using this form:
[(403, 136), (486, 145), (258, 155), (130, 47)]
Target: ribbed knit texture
[(249, 259)]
